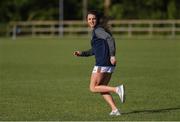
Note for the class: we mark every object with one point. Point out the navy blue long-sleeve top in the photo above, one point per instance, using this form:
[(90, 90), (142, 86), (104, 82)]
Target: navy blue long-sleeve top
[(103, 47)]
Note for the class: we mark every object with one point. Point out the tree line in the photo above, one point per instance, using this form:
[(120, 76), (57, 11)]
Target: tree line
[(28, 10)]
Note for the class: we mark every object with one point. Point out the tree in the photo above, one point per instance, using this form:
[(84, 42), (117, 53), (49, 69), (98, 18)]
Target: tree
[(84, 10), (26, 10), (107, 4)]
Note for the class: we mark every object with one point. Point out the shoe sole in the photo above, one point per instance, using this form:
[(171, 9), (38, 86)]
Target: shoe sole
[(115, 114), (123, 94)]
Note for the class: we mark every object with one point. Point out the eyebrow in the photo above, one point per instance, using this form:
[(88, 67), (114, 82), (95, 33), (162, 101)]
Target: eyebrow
[(92, 18)]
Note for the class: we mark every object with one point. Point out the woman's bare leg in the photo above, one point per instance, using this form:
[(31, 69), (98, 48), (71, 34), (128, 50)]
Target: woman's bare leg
[(99, 83), (96, 79), (107, 96)]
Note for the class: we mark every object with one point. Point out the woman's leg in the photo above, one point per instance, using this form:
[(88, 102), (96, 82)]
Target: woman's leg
[(107, 96), (99, 83), (96, 79)]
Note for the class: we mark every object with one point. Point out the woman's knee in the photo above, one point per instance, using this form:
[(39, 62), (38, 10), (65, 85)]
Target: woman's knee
[(96, 79), (92, 89)]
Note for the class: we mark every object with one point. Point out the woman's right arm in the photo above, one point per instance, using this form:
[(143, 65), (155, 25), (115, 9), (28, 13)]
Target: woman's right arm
[(84, 53)]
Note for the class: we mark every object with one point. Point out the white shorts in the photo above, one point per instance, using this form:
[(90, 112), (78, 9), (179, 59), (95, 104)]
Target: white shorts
[(103, 69)]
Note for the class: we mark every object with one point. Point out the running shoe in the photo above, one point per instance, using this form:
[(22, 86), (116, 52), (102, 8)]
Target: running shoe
[(115, 113), (121, 92)]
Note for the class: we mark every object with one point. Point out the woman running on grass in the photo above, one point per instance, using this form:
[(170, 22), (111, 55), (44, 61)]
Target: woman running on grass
[(103, 48)]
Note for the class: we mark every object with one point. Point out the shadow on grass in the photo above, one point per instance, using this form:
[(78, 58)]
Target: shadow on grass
[(153, 110)]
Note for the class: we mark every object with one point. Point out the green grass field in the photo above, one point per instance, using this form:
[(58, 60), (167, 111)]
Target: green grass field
[(40, 79)]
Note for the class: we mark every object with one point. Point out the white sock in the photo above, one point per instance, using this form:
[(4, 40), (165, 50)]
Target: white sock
[(115, 110), (116, 89)]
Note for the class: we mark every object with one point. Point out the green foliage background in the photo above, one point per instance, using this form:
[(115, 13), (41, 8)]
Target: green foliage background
[(120, 9)]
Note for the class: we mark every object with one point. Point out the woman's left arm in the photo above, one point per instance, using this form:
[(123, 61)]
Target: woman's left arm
[(101, 33), (112, 49)]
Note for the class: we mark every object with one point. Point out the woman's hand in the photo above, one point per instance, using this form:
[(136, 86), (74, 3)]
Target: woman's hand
[(77, 53), (113, 60)]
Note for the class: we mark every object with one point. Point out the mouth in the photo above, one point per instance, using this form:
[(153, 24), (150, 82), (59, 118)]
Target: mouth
[(92, 24)]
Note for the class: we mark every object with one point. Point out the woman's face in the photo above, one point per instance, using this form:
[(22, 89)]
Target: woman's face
[(91, 20)]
